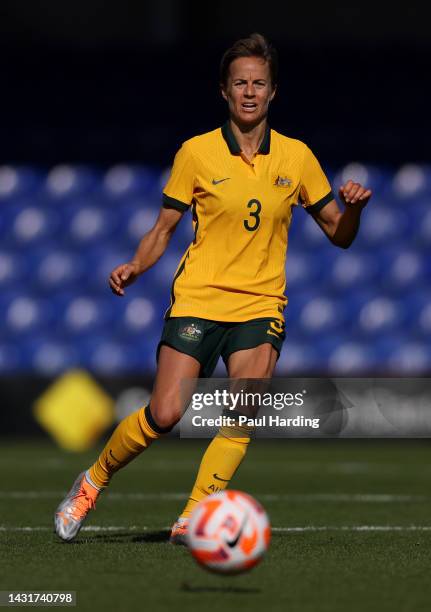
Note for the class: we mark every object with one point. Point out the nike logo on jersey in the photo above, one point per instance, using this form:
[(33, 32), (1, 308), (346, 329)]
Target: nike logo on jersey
[(218, 478), (216, 182)]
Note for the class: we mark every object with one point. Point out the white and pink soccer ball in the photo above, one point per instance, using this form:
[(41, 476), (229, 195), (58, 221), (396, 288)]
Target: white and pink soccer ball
[(229, 532)]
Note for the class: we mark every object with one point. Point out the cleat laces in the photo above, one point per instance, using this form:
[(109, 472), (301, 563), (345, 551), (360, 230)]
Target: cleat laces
[(83, 503)]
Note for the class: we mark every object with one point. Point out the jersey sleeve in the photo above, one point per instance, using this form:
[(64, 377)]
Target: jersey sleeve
[(315, 191), (178, 192)]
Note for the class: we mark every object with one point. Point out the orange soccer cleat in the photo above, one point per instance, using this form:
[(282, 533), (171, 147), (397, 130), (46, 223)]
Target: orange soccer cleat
[(179, 532), (74, 508)]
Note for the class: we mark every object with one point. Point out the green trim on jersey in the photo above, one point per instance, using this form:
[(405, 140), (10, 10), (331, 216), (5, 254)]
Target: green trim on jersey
[(169, 202), (233, 145), (179, 272), (183, 265), (314, 208)]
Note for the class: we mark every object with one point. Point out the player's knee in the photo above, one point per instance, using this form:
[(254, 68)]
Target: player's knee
[(165, 416)]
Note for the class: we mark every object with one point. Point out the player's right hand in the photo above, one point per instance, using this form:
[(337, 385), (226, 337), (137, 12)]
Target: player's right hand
[(123, 276)]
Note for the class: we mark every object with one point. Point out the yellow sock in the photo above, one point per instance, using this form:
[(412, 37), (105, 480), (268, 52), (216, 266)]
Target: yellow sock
[(134, 434), (219, 463)]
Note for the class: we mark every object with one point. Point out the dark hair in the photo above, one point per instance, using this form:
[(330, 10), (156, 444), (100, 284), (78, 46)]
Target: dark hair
[(254, 45)]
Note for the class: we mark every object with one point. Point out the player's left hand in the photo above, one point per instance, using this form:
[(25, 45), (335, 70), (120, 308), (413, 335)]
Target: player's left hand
[(352, 194)]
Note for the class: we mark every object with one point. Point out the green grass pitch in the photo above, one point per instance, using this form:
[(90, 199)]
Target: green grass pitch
[(352, 528)]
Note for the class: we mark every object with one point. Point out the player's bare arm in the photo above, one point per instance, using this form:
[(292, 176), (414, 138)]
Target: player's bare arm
[(149, 251), (342, 227)]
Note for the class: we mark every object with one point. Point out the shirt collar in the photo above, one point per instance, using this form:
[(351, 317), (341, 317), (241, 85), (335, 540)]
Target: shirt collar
[(233, 145)]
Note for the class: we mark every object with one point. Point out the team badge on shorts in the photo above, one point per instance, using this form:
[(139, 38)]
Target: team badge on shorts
[(190, 332)]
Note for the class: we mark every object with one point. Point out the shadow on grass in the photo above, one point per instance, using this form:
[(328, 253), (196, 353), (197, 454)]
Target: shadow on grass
[(129, 537), (120, 538), (188, 588)]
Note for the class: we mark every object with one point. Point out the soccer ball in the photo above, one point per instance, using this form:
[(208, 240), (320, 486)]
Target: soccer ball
[(228, 532)]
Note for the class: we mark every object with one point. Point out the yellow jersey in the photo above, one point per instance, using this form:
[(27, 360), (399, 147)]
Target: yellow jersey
[(234, 270)]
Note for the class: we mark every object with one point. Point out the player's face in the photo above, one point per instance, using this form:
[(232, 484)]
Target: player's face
[(248, 90)]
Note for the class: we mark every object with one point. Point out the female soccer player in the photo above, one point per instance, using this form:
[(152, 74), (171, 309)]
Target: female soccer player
[(241, 182)]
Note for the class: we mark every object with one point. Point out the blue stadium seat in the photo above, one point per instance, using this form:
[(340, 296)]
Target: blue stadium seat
[(380, 315), (27, 223), (17, 181), (306, 232), (351, 358), (136, 315), (322, 315), (83, 314), (136, 218), (184, 233), (86, 223), (13, 270), (418, 306), (107, 354), (295, 305), (296, 358), (408, 183), (352, 303), (296, 228), (323, 344), (372, 177), (57, 269), (146, 347), (352, 269), (425, 320), (411, 358), (381, 225), (406, 269), (100, 260), (132, 180), (302, 270), (164, 274), (25, 314), (420, 223), (391, 355), (47, 355), (68, 181)]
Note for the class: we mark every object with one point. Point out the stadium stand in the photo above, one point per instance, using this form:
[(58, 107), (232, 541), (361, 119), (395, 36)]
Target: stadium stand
[(62, 231)]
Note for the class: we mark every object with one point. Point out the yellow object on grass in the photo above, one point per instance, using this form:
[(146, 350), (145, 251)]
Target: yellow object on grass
[(75, 410)]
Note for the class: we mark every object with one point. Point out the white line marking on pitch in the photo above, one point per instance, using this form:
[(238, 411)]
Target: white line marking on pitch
[(357, 528), (293, 497), (88, 528), (353, 528)]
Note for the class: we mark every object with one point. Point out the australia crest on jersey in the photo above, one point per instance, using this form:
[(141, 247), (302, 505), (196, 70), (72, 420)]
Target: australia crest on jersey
[(283, 181), (191, 332)]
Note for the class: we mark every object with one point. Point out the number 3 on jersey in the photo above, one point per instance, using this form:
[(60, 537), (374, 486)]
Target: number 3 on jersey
[(251, 227)]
